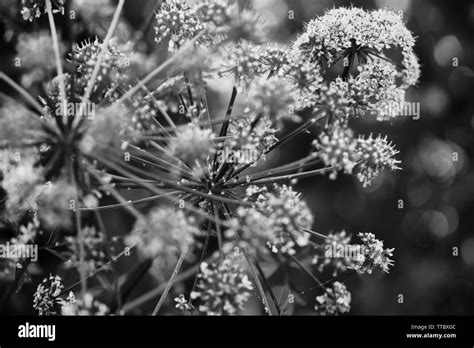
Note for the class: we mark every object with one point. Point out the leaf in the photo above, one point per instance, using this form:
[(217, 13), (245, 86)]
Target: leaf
[(21, 276)]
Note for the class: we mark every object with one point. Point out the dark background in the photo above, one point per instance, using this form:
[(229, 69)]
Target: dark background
[(437, 193)]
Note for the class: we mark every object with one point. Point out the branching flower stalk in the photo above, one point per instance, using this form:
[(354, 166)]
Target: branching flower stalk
[(216, 199)]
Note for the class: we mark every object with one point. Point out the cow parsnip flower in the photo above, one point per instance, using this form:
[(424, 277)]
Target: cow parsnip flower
[(98, 133), (360, 39)]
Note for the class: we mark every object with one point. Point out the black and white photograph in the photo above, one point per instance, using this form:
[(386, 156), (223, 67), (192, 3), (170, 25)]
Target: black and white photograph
[(174, 168)]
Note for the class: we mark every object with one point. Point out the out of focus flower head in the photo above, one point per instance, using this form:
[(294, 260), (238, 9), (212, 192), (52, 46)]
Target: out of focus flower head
[(335, 301), (31, 9), (216, 21), (36, 54), (163, 235), (273, 98), (332, 253), (56, 202), (23, 183), (94, 250), (231, 21), (109, 127), (18, 125), (192, 146), (87, 305), (242, 62)]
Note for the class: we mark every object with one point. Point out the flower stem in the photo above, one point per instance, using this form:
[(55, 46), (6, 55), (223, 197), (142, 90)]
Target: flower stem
[(170, 284)]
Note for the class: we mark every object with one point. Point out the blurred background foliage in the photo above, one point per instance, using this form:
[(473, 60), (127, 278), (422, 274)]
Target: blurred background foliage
[(425, 210)]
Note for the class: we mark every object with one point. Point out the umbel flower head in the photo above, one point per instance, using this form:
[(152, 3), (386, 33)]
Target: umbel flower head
[(94, 249), (18, 125), (55, 204), (98, 133), (222, 288), (192, 145), (341, 150), (177, 21), (47, 300), (32, 9), (333, 253), (374, 255), (165, 234), (37, 56), (336, 300), (273, 97), (276, 221), (352, 36), (23, 183)]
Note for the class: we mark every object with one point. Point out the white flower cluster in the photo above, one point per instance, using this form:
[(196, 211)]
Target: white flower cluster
[(274, 98), (22, 182), (177, 21), (47, 300), (257, 139), (165, 234), (375, 256), (337, 252), (341, 28), (17, 125), (354, 36), (335, 301), (375, 154), (55, 204), (332, 253), (222, 288), (117, 57), (32, 9), (341, 150), (192, 145), (87, 306), (94, 249), (37, 56), (276, 221)]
